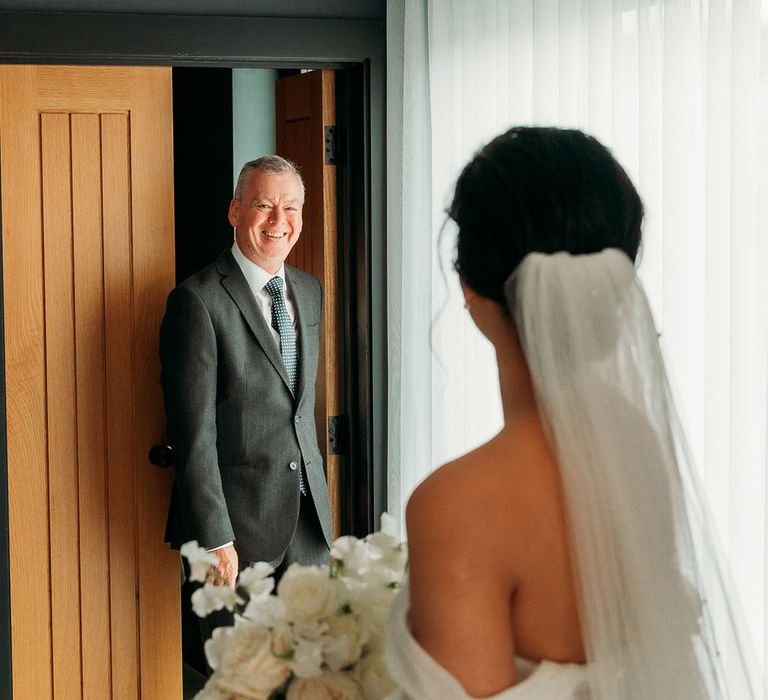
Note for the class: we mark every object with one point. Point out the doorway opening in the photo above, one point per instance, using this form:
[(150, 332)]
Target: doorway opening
[(223, 118)]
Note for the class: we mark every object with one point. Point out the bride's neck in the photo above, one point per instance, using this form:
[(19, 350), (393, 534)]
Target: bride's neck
[(517, 397)]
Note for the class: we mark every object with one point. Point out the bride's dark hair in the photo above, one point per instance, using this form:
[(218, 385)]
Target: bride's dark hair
[(535, 189)]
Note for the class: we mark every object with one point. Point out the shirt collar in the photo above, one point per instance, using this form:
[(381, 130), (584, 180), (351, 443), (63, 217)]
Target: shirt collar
[(256, 276)]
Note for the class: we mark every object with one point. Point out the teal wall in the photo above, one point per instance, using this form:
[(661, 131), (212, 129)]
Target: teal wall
[(253, 115)]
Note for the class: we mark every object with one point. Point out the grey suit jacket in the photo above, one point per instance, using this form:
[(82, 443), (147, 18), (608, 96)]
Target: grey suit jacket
[(237, 431)]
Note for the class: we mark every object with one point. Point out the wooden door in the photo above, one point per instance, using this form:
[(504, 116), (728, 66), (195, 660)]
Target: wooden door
[(88, 258), (305, 106)]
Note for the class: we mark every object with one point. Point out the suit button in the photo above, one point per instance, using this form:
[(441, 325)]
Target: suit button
[(293, 466)]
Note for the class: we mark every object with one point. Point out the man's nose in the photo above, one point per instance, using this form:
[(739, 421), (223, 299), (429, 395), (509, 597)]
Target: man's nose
[(277, 216)]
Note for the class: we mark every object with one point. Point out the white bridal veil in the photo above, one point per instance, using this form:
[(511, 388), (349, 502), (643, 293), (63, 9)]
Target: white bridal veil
[(654, 599)]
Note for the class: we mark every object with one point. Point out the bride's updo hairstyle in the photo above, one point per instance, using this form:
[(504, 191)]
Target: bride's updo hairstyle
[(535, 189)]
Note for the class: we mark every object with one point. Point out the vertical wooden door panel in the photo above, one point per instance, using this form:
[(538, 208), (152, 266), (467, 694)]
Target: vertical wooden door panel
[(60, 374), (88, 261), (330, 348), (121, 405), (28, 515), (305, 106), (152, 207), (90, 372)]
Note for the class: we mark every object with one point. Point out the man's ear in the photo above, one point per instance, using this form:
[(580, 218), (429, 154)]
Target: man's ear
[(232, 214)]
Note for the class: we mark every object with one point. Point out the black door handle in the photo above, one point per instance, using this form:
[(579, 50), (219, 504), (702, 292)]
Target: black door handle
[(161, 455)]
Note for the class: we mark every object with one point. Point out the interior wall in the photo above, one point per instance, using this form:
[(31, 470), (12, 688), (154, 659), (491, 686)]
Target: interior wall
[(253, 115)]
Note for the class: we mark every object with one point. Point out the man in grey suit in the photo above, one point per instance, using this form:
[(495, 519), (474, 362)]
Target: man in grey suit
[(239, 351)]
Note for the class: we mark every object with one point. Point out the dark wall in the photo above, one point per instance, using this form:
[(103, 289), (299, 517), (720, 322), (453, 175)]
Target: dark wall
[(202, 153)]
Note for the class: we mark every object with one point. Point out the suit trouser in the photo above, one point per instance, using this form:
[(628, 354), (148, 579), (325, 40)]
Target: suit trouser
[(308, 546)]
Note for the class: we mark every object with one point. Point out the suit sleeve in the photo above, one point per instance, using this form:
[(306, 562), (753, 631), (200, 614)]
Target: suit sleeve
[(188, 354)]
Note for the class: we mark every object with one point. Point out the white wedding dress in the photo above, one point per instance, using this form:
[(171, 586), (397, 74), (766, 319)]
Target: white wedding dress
[(420, 677), (658, 617)]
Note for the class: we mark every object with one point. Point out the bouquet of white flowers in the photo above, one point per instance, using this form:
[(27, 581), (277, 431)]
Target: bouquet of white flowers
[(319, 635)]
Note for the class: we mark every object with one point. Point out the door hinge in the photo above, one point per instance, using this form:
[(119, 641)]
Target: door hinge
[(330, 145), (336, 435)]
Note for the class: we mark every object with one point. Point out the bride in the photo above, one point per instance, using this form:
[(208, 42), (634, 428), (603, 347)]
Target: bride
[(570, 556)]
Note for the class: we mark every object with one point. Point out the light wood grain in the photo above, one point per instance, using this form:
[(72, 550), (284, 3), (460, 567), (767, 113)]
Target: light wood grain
[(25, 386), (91, 374), (151, 198), (120, 404), (86, 168), (61, 404), (332, 327)]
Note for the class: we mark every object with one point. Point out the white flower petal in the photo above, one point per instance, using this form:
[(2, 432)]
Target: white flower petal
[(209, 598), (389, 525), (267, 611), (200, 560), (216, 647), (257, 580), (307, 659)]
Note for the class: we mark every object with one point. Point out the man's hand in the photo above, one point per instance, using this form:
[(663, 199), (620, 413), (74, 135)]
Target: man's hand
[(227, 566)]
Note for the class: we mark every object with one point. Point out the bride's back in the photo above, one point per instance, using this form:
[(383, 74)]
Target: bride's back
[(490, 558), (548, 228), (491, 575)]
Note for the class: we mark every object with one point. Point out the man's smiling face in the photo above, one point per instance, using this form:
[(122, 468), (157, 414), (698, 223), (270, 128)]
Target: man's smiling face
[(267, 218)]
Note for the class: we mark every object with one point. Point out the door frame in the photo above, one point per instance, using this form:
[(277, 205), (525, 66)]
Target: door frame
[(357, 50)]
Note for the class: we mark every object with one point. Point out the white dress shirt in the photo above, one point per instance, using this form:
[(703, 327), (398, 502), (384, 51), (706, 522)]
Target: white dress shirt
[(257, 278)]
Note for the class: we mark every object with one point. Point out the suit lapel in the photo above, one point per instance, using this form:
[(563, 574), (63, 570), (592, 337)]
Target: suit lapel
[(237, 287)]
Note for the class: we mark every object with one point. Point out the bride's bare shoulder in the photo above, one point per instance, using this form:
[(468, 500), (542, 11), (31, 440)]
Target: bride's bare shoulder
[(502, 486)]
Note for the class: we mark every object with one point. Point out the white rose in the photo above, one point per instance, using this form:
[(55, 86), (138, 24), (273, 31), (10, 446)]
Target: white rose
[(309, 593), (388, 536), (246, 665), (390, 566), (257, 579), (373, 603), (332, 685), (311, 630), (283, 640), (395, 559), (211, 692), (216, 646), (344, 642), (354, 555), (208, 598), (265, 611), (392, 552), (373, 676), (307, 658)]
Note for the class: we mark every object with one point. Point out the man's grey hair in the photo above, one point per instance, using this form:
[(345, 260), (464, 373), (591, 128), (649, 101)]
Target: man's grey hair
[(275, 165)]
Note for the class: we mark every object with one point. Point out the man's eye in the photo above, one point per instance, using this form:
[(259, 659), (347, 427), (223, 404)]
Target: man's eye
[(262, 206)]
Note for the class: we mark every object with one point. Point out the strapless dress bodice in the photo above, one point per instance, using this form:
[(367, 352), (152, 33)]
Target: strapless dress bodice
[(419, 677)]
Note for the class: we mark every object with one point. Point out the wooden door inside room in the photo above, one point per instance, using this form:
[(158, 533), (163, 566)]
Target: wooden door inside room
[(305, 115), (88, 259)]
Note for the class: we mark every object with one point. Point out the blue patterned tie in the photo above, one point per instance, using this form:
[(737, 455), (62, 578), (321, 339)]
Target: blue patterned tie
[(281, 322)]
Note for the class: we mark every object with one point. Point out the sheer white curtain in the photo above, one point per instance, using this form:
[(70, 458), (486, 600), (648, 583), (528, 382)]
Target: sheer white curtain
[(678, 89)]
